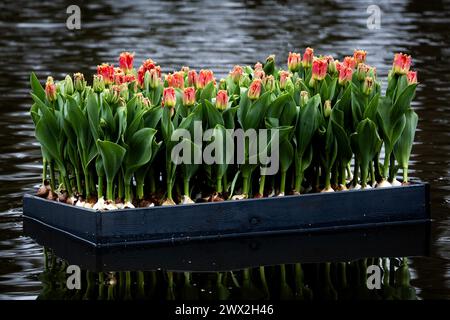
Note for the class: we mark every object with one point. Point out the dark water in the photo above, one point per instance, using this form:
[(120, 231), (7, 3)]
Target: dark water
[(216, 35)]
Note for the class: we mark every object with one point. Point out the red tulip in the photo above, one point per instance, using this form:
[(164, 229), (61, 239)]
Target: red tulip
[(126, 61), (189, 96), (50, 90), (254, 91), (147, 65), (259, 74), (205, 77), (308, 57), (107, 72), (359, 56), (169, 98), (176, 80), (412, 77), (222, 100), (294, 61), (345, 75), (349, 62), (402, 63), (236, 73), (319, 69), (192, 78), (258, 66), (284, 76)]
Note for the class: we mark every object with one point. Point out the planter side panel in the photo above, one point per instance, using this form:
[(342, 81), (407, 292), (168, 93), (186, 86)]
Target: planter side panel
[(74, 220)]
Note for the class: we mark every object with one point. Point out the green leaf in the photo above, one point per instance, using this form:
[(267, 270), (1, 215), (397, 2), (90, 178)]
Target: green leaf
[(403, 147), (139, 150), (307, 124), (112, 155), (214, 117), (36, 87)]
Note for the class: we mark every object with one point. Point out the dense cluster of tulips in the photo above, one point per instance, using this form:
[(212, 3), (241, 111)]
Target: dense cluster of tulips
[(109, 145)]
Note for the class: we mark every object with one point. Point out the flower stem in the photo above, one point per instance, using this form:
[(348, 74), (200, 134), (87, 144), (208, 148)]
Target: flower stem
[(186, 187), (78, 178), (387, 158), (219, 185), (140, 188), (327, 179), (100, 187), (86, 182), (283, 182), (169, 190), (355, 172), (109, 189), (44, 170), (405, 174), (262, 182), (343, 175), (298, 181), (52, 175)]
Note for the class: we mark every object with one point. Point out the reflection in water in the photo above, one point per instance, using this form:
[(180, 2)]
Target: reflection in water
[(311, 281)]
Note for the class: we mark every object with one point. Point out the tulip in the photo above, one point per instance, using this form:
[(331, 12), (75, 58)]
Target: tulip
[(185, 70), (304, 97), (50, 90), (154, 80), (107, 72), (308, 57), (126, 61), (205, 77), (147, 65), (80, 83), (259, 74), (319, 69), (236, 73), (345, 75), (349, 62), (68, 86), (331, 65), (368, 86), (223, 84), (189, 96), (254, 91), (359, 56), (144, 102), (258, 66), (402, 63), (327, 109), (169, 98), (98, 84), (222, 100), (192, 78), (284, 77), (294, 61), (175, 80), (362, 71), (411, 77), (269, 83)]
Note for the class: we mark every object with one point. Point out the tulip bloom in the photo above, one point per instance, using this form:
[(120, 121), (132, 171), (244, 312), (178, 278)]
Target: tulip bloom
[(331, 64), (79, 81), (254, 91), (308, 57), (222, 100), (284, 77), (368, 86), (147, 65), (349, 62), (98, 84), (402, 63), (411, 77), (126, 61), (107, 72), (359, 56), (50, 90), (304, 97), (185, 70), (176, 80), (205, 77), (345, 75), (269, 83), (259, 74), (294, 61), (189, 96), (362, 71), (192, 78), (258, 66), (236, 73), (319, 69), (169, 98)]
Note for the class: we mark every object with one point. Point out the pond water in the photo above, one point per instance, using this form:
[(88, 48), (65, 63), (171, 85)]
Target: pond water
[(217, 35)]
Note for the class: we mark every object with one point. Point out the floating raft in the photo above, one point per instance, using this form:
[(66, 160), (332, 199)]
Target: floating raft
[(304, 213)]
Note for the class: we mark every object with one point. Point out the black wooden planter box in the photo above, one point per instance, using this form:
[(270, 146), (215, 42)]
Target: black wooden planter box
[(307, 212)]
